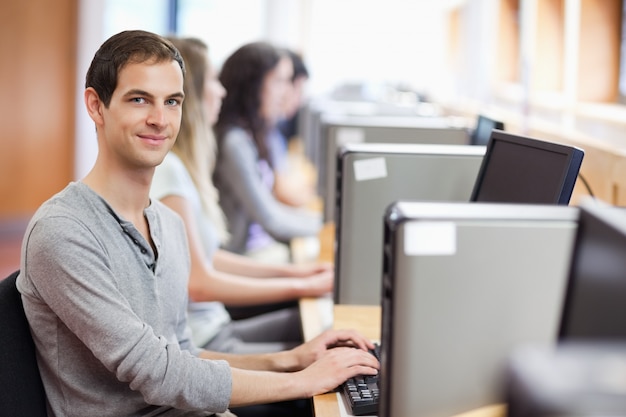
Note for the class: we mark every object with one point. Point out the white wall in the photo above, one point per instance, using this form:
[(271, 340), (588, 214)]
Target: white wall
[(342, 40), (369, 41)]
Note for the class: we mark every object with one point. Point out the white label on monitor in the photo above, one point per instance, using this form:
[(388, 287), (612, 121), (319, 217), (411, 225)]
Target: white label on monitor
[(347, 135), (430, 238), (370, 169)]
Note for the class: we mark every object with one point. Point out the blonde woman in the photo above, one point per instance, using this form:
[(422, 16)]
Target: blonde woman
[(218, 277)]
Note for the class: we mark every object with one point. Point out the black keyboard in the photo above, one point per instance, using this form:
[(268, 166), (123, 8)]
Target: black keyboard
[(362, 392)]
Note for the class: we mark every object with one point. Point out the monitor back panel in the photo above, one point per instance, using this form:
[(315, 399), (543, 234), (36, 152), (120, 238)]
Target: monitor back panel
[(595, 305), (340, 131), (464, 285), (520, 169), (372, 176), (482, 131)]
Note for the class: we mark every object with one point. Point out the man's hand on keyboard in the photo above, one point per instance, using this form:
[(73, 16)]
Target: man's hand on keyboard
[(335, 367), (320, 346)]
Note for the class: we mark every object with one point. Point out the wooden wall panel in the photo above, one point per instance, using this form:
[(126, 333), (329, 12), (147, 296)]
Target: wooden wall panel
[(548, 60), (37, 80), (600, 30), (508, 63)]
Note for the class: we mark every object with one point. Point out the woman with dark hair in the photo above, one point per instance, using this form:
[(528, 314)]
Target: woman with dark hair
[(257, 79)]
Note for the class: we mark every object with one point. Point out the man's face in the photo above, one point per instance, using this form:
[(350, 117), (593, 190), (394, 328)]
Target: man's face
[(143, 118)]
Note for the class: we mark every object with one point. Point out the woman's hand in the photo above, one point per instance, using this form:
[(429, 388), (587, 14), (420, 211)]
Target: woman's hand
[(309, 270)]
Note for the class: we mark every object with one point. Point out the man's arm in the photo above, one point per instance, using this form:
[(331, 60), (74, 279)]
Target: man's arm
[(339, 364), (297, 358), (313, 368)]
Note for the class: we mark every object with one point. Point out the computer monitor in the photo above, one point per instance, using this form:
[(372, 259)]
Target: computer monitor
[(370, 176), (482, 132), (595, 304), (519, 169), (465, 284), (339, 130)]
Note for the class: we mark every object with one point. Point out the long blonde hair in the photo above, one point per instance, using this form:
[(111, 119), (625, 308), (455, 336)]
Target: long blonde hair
[(196, 145)]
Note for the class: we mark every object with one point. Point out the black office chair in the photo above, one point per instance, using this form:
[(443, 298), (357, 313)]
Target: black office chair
[(21, 389)]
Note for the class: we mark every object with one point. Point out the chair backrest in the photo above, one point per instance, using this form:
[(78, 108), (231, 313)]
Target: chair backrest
[(22, 392)]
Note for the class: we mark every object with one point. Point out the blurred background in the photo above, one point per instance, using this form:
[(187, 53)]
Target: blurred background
[(548, 68)]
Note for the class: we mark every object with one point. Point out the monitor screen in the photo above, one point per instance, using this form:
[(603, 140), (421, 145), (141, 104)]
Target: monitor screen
[(518, 169), (482, 133), (595, 302)]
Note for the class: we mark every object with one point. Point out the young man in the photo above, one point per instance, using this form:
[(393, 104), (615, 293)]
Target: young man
[(104, 271)]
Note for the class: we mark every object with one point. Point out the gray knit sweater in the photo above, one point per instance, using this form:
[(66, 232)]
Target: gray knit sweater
[(108, 314)]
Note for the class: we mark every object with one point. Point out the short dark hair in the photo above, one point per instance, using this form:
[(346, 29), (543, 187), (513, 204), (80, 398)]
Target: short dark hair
[(131, 46)]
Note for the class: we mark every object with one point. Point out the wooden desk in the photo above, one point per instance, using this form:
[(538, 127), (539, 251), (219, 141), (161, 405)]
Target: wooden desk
[(300, 250), (327, 243), (365, 319)]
